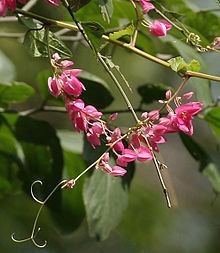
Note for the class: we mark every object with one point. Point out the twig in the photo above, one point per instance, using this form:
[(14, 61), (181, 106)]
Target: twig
[(120, 44)]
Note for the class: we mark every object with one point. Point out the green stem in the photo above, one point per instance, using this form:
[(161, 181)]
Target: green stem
[(118, 43), (102, 61)]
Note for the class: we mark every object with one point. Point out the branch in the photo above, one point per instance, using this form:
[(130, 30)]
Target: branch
[(118, 43)]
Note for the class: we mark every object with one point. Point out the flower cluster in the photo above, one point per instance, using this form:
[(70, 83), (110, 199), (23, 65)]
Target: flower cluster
[(151, 131), (141, 140), (158, 27)]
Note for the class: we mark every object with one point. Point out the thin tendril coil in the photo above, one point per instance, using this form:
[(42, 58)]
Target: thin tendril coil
[(32, 192), (34, 232)]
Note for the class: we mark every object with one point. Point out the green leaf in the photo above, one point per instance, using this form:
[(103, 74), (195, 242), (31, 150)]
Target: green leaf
[(213, 118), (105, 199), (97, 91), (201, 86), (94, 31), (179, 65), (152, 92), (14, 92), (75, 5), (106, 9), (207, 165), (194, 65), (7, 69), (71, 141), (212, 173), (43, 157), (28, 22), (36, 42), (128, 30)]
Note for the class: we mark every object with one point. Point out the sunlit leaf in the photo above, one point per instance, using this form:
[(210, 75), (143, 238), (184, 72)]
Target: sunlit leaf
[(213, 118), (105, 200), (106, 9), (36, 41), (14, 92)]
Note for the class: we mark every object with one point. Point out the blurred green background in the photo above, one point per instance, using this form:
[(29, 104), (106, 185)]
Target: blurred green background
[(192, 226)]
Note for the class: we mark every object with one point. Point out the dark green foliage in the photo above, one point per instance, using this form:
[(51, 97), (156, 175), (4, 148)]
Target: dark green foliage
[(152, 92)]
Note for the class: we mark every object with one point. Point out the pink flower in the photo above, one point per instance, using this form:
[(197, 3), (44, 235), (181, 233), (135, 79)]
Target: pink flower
[(119, 146), (188, 95), (70, 84), (118, 171), (168, 94), (154, 115), (144, 154), (184, 115), (146, 6), (216, 43), (159, 28), (65, 78), (128, 155), (53, 2), (5, 5), (107, 168), (82, 116), (54, 86), (115, 170), (94, 133), (120, 161), (113, 116), (155, 135), (70, 184)]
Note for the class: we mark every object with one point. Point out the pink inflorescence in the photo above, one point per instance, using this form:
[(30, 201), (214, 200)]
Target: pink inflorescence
[(159, 27), (141, 140)]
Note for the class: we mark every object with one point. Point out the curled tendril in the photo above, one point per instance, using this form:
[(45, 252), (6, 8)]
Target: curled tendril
[(32, 238), (35, 231), (32, 192)]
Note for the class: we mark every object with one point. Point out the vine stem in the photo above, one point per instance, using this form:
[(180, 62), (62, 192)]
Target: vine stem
[(42, 203), (184, 82), (102, 61), (119, 43)]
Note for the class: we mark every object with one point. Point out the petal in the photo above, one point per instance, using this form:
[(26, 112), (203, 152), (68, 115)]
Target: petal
[(154, 115), (144, 154), (3, 8), (158, 29), (53, 85), (167, 24), (118, 171), (54, 2), (77, 105), (107, 168), (146, 6), (11, 4), (66, 63), (121, 162), (128, 155)]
